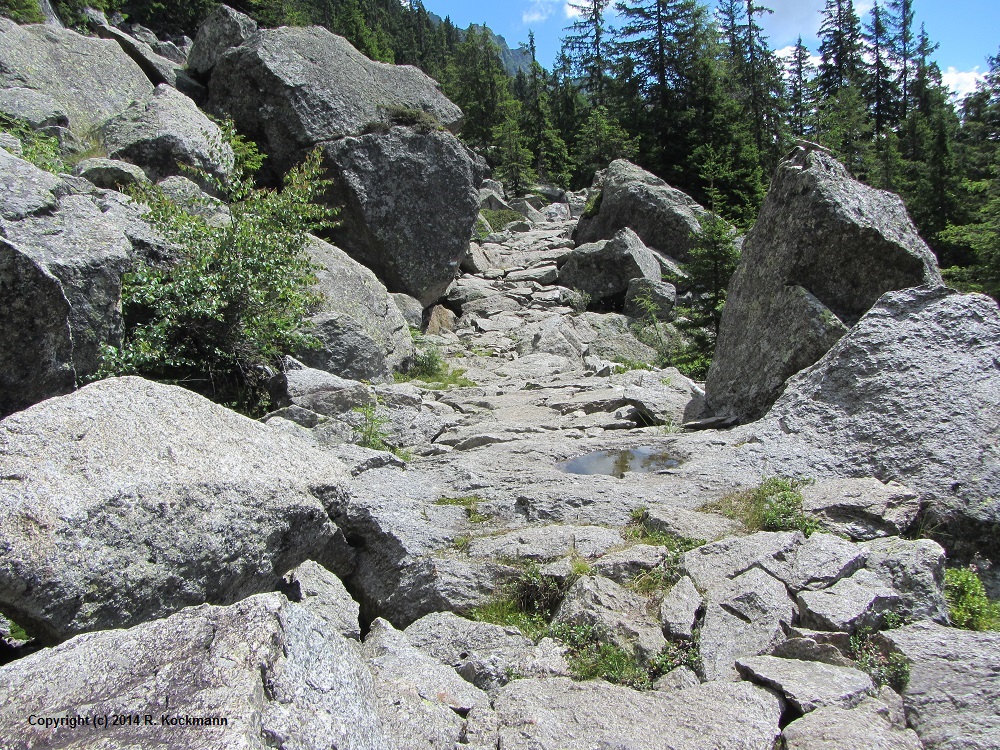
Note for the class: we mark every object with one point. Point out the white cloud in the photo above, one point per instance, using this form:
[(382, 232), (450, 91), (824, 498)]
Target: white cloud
[(570, 11), (961, 82), (785, 54), (538, 11)]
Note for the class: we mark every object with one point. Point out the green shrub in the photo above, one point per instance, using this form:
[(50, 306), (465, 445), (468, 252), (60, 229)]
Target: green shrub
[(429, 367), (371, 433), (884, 666), (593, 206), (237, 294), (17, 633), (21, 11), (39, 149), (498, 219), (968, 604), (579, 300), (774, 505), (526, 601), (591, 656)]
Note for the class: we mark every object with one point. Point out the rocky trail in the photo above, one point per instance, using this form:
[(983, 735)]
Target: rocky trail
[(540, 545)]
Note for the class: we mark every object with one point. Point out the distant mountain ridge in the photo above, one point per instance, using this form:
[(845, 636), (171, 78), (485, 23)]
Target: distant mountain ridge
[(514, 60)]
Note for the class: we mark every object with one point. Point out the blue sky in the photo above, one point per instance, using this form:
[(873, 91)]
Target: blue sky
[(967, 30)]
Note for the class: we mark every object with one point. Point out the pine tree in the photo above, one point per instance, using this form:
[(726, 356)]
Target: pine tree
[(550, 156), (840, 48), (481, 87), (513, 158), (600, 141), (880, 88), (901, 12), (588, 45), (799, 75)]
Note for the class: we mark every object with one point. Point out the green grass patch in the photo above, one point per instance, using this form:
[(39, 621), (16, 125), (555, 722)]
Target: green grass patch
[(667, 573), (471, 505), (462, 543), (968, 604), (498, 219), (429, 367), (39, 149), (773, 505), (885, 667), (526, 601), (507, 612)]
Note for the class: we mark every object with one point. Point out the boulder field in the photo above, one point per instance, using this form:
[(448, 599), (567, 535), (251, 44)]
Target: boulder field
[(536, 552)]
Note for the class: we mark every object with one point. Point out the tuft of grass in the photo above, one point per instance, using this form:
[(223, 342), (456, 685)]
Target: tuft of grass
[(968, 605), (885, 667), (579, 300), (429, 367), (526, 601), (625, 364), (39, 149), (498, 219), (773, 505), (506, 612), (668, 572), (17, 633), (471, 505), (462, 543)]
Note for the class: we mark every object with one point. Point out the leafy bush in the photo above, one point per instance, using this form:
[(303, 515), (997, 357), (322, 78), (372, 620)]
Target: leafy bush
[(21, 11), (968, 604), (429, 367), (39, 149), (500, 218), (774, 505), (885, 667), (238, 292)]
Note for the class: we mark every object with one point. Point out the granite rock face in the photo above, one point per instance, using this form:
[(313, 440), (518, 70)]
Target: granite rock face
[(223, 29), (823, 250), (265, 665), (604, 269), (129, 500)]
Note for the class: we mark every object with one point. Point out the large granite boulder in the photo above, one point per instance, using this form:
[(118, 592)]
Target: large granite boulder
[(292, 88), (165, 130), (129, 500), (263, 672), (604, 269), (349, 290), (91, 80), (223, 29), (953, 697), (662, 216), (409, 204), (822, 252), (911, 394)]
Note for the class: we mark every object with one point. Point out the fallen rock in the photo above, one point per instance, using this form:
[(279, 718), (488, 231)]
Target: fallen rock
[(223, 29), (916, 570), (680, 608), (953, 696), (262, 670), (604, 269), (647, 298), (558, 714), (323, 594), (808, 685), (72, 70), (860, 601), (110, 174), (824, 249), (680, 678), (410, 308), (832, 728), (101, 482), (861, 509), (623, 566), (318, 391), (165, 130), (291, 88), (663, 217), (874, 406), (615, 613), (35, 108)]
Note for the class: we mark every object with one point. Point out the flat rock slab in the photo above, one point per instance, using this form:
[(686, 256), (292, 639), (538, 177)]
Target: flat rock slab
[(808, 685), (266, 665), (953, 697), (559, 714), (861, 509), (832, 728), (548, 542)]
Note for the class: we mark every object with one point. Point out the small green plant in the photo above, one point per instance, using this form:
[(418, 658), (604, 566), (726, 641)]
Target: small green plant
[(591, 656), (39, 149), (667, 573), (429, 367), (482, 230), (675, 654), (462, 543), (499, 218), (471, 505), (773, 505), (580, 567), (526, 601), (593, 206), (579, 300), (968, 604), (506, 611), (873, 657), (371, 433), (17, 633), (625, 364), (22, 11)]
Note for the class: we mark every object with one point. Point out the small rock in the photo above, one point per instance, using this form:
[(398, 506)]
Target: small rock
[(323, 594), (679, 609), (808, 685), (833, 728), (677, 679), (853, 603)]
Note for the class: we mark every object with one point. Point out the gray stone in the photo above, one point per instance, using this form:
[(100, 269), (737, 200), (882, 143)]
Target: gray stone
[(860, 601), (487, 655), (713, 566), (388, 184), (157, 68), (808, 649), (422, 702), (542, 543), (819, 562), (915, 569), (824, 249), (953, 697), (348, 288), (661, 295), (101, 482), (165, 130), (832, 728), (36, 343), (290, 89), (622, 566), (74, 71), (25, 190), (111, 174), (440, 320), (662, 216), (318, 391), (680, 678), (617, 614), (480, 259), (410, 308), (323, 594), (35, 108), (344, 349), (558, 714), (690, 524), (223, 29), (604, 269), (746, 617), (679, 609), (541, 274), (808, 685), (891, 364), (268, 666), (191, 197), (861, 509), (490, 200)]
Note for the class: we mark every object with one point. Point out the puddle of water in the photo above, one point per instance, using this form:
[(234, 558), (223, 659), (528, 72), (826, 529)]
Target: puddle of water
[(617, 463)]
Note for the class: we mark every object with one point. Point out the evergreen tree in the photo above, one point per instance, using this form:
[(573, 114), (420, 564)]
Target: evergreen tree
[(799, 75), (880, 88), (901, 12), (513, 158), (840, 48), (588, 45), (846, 129), (550, 155), (600, 141), (481, 87)]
